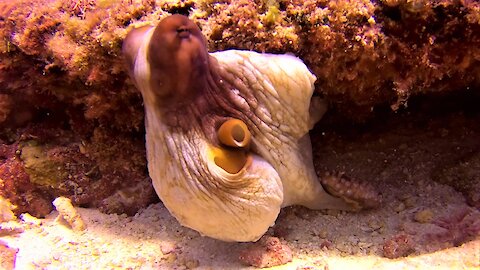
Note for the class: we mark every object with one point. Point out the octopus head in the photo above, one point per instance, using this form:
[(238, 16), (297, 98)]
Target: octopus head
[(175, 59)]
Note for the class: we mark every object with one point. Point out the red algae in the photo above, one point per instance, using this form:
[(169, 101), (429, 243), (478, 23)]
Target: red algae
[(398, 246), (16, 187), (457, 229)]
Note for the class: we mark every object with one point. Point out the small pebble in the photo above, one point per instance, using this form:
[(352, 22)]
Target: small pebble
[(167, 247), (170, 258), (69, 213), (267, 252), (323, 233), (398, 246), (364, 245), (375, 224), (423, 216), (400, 207), (95, 252), (56, 256), (409, 202), (192, 264), (333, 212), (29, 219), (326, 245)]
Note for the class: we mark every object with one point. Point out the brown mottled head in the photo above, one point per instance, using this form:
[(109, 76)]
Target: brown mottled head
[(171, 66), (169, 62), (178, 59)]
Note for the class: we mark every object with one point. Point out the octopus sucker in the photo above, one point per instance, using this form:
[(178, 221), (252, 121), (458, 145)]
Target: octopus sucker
[(359, 194), (227, 132)]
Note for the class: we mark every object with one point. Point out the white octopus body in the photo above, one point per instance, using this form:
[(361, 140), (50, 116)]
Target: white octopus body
[(242, 206)]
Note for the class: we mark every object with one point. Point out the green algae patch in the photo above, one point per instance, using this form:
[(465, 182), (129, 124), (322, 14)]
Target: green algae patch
[(272, 15), (42, 169)]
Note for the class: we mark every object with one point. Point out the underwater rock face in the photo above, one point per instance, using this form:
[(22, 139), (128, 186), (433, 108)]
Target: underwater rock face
[(364, 53), (48, 162)]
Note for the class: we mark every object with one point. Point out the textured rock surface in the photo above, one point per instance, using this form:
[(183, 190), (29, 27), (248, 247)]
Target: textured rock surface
[(365, 53), (267, 252), (8, 257)]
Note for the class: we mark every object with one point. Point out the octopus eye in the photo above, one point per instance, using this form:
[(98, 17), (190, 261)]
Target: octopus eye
[(234, 133)]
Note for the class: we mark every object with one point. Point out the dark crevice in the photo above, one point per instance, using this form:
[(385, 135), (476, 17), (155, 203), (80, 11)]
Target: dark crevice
[(182, 10), (393, 13), (419, 109)]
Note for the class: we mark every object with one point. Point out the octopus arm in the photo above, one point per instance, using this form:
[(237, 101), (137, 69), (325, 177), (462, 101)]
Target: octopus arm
[(281, 83)]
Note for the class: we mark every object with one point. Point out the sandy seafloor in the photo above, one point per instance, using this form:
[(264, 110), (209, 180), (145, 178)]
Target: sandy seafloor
[(120, 242), (400, 158)]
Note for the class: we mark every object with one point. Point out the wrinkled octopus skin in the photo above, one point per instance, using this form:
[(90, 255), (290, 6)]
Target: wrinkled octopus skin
[(227, 132)]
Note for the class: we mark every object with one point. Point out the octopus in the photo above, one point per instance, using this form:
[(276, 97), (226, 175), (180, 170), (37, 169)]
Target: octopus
[(227, 133)]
